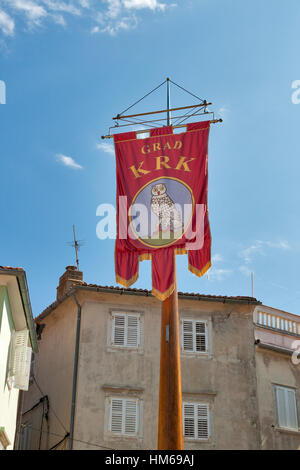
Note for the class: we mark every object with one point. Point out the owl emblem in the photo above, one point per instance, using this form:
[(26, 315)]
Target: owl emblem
[(164, 208)]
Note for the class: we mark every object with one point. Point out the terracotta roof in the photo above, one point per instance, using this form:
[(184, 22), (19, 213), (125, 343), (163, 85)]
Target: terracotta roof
[(9, 268), (145, 292)]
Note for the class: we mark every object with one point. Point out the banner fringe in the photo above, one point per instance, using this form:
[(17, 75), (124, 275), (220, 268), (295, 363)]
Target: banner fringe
[(127, 283), (201, 272), (163, 295), (148, 256)]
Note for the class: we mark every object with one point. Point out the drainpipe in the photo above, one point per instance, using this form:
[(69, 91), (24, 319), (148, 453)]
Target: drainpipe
[(75, 372)]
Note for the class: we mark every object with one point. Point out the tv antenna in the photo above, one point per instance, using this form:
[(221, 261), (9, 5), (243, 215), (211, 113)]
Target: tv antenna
[(76, 244)]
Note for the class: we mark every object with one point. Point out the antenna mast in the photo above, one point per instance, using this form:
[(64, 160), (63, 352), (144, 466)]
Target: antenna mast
[(76, 246)]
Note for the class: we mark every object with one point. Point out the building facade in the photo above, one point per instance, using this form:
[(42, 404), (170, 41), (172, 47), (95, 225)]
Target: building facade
[(97, 375), (17, 341)]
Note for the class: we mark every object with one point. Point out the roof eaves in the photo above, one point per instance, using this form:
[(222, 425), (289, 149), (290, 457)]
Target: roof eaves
[(146, 293), (20, 274)]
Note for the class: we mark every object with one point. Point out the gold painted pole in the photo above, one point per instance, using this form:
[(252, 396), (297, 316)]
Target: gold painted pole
[(170, 426)]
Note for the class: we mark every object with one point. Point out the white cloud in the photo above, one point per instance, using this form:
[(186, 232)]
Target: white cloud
[(33, 11), (106, 147), (7, 24), (258, 247), (107, 16), (84, 3), (139, 4), (217, 258), (61, 6), (68, 161), (218, 274), (245, 270), (95, 29), (223, 111)]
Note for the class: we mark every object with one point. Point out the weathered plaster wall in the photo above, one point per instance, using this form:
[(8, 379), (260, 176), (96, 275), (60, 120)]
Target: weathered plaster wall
[(273, 368), (225, 378), (54, 375)]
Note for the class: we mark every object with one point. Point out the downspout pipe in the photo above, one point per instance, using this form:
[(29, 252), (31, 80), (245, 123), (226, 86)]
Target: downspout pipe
[(75, 371)]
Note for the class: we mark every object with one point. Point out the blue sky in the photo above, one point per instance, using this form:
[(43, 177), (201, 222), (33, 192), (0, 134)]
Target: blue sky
[(69, 66)]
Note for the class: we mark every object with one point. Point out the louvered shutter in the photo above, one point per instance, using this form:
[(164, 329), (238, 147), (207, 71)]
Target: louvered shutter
[(280, 395), (21, 381), (130, 426), (286, 408), (188, 420), (116, 418), (291, 409), (202, 422), (188, 335), (133, 330), (196, 421), (118, 331), (200, 336), (20, 358)]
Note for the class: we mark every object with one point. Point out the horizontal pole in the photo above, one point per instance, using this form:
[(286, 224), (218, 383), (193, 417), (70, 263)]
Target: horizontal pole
[(213, 121), (163, 111)]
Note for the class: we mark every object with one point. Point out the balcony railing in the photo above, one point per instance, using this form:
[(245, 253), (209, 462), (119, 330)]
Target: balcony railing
[(281, 321)]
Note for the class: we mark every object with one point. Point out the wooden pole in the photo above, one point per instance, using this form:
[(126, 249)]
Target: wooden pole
[(170, 428)]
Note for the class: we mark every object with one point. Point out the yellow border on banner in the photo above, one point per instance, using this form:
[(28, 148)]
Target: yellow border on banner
[(126, 283), (163, 295), (201, 272), (148, 256)]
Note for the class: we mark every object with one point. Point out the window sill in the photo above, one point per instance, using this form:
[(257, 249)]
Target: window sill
[(197, 441), (111, 435), (203, 355), (288, 431), (113, 348)]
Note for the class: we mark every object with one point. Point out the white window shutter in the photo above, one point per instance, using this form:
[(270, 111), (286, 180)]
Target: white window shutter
[(196, 421), (124, 416), (116, 415), (20, 359), (133, 331), (119, 330), (200, 335), (291, 405), (131, 411), (286, 408), (21, 380), (203, 424), (188, 420), (188, 335), (280, 395)]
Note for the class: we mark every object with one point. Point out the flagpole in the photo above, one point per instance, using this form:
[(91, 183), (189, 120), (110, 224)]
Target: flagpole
[(170, 426)]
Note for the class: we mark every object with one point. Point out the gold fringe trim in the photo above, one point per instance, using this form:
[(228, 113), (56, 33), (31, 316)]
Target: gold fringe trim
[(163, 295), (126, 283), (180, 251), (148, 256), (145, 256), (197, 271)]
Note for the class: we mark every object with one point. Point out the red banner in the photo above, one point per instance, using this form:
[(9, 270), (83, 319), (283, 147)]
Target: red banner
[(162, 204)]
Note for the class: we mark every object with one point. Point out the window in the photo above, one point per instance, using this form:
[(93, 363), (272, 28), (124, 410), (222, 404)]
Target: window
[(286, 407), (196, 421), (194, 336), (124, 416), (126, 330)]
